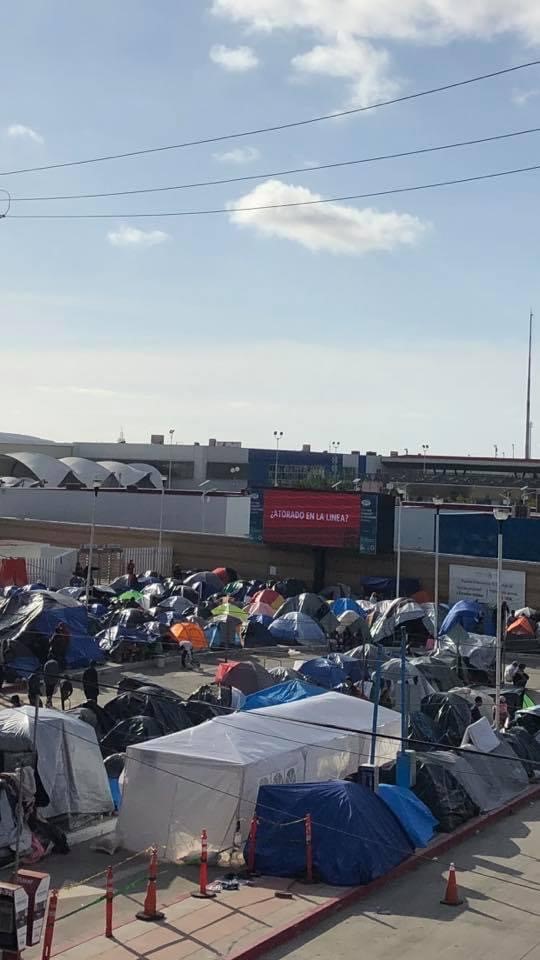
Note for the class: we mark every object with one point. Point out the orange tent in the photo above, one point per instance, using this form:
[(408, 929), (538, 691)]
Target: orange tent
[(521, 627), (191, 632)]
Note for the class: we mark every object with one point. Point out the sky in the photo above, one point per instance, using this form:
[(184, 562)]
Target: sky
[(381, 324)]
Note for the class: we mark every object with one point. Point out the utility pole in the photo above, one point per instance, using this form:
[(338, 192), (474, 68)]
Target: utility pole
[(528, 411)]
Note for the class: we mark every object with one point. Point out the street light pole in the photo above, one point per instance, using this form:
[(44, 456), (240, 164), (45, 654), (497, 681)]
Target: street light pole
[(437, 502), (171, 435), (160, 538), (425, 448), (278, 434), (91, 547), (400, 495), (500, 517)]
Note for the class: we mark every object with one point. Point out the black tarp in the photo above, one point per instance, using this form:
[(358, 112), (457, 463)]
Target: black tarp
[(127, 732), (255, 634), (525, 747), (448, 801), (451, 715), (422, 731), (442, 676)]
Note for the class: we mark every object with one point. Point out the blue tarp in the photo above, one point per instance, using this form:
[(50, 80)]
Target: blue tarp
[(281, 693), (323, 672), (356, 838), (416, 819), (469, 614), (297, 628), (343, 604), (82, 646)]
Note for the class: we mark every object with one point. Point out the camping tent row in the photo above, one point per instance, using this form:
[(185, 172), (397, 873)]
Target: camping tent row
[(208, 777)]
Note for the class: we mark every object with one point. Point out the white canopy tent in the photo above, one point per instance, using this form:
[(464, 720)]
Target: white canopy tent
[(208, 777)]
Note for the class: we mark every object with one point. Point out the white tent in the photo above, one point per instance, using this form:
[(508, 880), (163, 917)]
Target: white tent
[(208, 777), (69, 760)]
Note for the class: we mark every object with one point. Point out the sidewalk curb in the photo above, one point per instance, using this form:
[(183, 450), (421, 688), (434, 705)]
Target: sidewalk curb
[(312, 917)]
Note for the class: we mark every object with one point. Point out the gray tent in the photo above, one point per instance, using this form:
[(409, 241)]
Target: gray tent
[(489, 780)]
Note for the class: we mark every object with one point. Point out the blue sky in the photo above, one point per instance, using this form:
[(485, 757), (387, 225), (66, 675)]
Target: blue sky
[(384, 332)]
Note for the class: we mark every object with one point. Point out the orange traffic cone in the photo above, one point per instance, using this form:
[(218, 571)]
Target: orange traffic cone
[(149, 911), (451, 896)]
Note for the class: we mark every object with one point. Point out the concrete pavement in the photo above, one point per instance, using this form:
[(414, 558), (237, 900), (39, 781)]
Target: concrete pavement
[(499, 877)]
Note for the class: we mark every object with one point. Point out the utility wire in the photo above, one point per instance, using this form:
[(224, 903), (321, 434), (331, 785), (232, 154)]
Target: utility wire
[(275, 127), (281, 173), (272, 206)]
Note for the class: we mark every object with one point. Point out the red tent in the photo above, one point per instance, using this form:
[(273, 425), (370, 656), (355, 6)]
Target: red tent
[(521, 627)]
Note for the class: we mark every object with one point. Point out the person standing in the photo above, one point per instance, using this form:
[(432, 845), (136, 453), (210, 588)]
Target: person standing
[(59, 644), (66, 689), (90, 682), (476, 713), (51, 674), (34, 689)]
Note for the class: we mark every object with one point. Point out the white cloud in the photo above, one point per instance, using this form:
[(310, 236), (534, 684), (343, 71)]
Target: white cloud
[(330, 226), (362, 64), (521, 97), (380, 425), (126, 236), (238, 155), (234, 59), (20, 132), (427, 20)]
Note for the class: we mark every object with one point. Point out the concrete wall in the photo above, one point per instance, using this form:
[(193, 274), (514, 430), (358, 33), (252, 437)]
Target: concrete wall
[(190, 512), (255, 559)]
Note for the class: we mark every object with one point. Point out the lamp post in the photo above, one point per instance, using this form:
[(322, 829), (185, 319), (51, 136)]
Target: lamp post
[(233, 471), (500, 516), (171, 435), (278, 434), (204, 495), (400, 494), (160, 538), (95, 488), (425, 448), (437, 501)]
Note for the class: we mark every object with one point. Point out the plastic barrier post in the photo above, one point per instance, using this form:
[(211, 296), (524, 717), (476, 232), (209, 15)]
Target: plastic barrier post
[(109, 897), (203, 892), (49, 928), (252, 845), (309, 848), (149, 911)]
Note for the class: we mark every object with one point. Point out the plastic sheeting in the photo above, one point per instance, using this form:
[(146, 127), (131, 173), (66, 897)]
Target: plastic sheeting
[(451, 715), (281, 693), (416, 819), (28, 621), (313, 606), (442, 793), (355, 837)]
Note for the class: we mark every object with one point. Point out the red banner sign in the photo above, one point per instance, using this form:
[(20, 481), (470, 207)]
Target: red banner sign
[(313, 519)]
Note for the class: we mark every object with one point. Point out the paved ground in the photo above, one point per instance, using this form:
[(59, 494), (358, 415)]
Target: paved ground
[(498, 874)]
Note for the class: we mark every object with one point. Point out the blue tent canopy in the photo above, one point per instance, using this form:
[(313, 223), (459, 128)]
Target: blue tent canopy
[(355, 837), (323, 672), (469, 614), (343, 604), (281, 693), (416, 819)]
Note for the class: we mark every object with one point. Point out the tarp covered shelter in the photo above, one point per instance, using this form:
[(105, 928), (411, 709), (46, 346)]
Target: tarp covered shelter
[(281, 693), (490, 781), (70, 764), (416, 819), (208, 777), (355, 836), (312, 605), (393, 614)]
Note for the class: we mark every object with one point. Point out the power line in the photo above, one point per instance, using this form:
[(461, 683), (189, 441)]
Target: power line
[(281, 173), (275, 127), (272, 206)]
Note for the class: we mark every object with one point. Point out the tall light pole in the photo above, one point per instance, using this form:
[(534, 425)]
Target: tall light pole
[(500, 516), (160, 538), (204, 495), (95, 488), (278, 434), (425, 448), (171, 435), (400, 494), (437, 501)]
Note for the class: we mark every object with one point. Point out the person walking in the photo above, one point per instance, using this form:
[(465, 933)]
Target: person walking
[(51, 675), (59, 644), (34, 689), (66, 689), (90, 682)]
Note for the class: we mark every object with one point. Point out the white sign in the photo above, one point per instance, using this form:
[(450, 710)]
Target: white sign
[(480, 583)]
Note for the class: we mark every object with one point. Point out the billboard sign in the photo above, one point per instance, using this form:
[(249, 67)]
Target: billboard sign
[(480, 583), (311, 518), (370, 523)]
